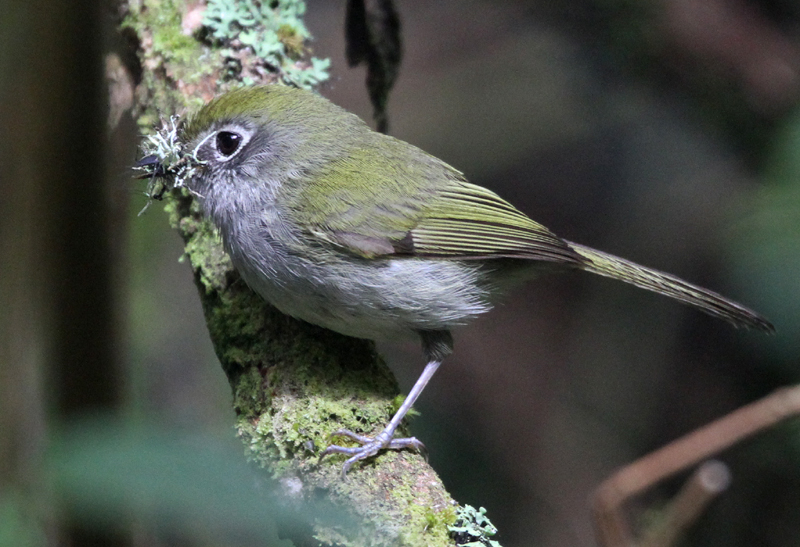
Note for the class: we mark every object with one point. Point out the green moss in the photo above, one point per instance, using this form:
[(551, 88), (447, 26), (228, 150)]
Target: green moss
[(318, 394), (168, 53), (168, 40), (426, 524)]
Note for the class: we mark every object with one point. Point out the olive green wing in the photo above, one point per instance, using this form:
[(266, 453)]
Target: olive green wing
[(388, 198), (468, 221), (422, 208)]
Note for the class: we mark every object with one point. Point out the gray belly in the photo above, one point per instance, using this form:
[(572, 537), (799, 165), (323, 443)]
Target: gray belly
[(372, 299)]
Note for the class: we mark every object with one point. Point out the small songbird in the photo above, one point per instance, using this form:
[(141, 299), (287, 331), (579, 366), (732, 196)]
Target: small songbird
[(369, 236)]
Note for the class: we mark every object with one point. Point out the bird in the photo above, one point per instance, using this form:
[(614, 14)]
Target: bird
[(369, 236)]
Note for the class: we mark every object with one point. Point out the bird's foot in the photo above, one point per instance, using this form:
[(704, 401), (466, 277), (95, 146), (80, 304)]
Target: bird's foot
[(369, 446)]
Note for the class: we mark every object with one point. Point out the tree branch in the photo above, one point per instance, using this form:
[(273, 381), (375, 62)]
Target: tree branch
[(293, 383)]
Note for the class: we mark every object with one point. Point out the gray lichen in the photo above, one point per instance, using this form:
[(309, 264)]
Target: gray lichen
[(273, 31), (473, 528)]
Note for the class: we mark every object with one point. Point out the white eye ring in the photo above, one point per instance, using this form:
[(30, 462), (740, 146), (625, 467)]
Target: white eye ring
[(226, 142)]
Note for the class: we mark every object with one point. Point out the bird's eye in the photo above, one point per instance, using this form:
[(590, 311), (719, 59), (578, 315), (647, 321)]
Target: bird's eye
[(228, 142)]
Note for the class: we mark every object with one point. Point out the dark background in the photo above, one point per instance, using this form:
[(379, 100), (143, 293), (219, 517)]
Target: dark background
[(665, 131)]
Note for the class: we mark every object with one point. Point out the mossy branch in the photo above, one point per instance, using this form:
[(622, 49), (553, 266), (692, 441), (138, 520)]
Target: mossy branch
[(293, 383)]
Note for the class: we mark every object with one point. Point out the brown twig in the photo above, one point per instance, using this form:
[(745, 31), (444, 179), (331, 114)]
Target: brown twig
[(706, 483), (612, 529)]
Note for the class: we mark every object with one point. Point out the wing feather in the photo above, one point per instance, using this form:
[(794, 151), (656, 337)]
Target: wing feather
[(469, 221), (419, 208)]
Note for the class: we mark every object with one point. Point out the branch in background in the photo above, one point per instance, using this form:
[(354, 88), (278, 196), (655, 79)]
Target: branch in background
[(610, 497), (711, 479)]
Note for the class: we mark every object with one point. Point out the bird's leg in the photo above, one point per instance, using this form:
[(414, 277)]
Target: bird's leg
[(436, 345)]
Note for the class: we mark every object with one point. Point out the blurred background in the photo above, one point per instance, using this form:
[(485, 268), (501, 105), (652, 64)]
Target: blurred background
[(664, 131)]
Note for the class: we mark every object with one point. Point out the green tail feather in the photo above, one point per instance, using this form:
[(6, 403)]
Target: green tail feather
[(663, 283)]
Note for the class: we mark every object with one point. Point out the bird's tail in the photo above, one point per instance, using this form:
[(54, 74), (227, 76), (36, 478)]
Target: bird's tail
[(663, 283)]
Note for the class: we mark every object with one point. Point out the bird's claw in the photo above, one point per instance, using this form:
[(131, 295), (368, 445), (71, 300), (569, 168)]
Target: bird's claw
[(369, 446)]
